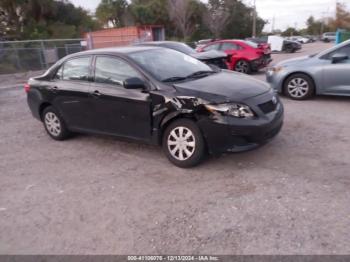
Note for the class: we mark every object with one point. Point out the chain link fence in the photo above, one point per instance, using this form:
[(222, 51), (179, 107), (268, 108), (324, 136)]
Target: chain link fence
[(31, 55), (35, 55)]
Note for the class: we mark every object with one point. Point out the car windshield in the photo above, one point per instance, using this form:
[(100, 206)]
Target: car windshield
[(169, 65)]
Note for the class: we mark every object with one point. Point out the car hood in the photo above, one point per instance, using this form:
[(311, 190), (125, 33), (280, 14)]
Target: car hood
[(293, 61), (213, 54), (226, 86)]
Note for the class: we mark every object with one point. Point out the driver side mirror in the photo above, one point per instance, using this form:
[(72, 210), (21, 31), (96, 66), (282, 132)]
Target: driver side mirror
[(134, 83), (336, 58)]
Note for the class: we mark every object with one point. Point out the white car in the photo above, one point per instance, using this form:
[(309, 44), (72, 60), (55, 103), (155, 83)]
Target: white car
[(329, 36)]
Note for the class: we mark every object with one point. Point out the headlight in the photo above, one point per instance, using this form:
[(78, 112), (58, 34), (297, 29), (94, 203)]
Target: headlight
[(275, 69), (236, 110)]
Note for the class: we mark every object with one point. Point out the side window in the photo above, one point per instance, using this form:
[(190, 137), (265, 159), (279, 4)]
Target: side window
[(212, 47), (59, 73), (76, 69), (345, 50), (342, 50), (110, 70), (229, 46)]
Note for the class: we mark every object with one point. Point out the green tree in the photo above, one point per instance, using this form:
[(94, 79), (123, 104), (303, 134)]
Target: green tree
[(216, 17), (33, 19), (112, 11), (342, 18), (240, 22), (290, 31)]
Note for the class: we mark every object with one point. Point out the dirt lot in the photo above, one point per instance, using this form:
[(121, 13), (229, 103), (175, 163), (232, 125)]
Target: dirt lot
[(97, 195)]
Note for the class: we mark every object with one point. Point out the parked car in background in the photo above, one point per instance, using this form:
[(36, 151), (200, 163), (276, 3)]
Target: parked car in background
[(159, 96), (211, 57), (329, 37), (311, 38), (204, 42), (300, 39), (277, 43), (291, 46), (246, 56), (326, 73), (261, 41)]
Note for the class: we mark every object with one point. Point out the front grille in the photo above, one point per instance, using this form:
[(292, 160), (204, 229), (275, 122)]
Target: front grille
[(268, 107)]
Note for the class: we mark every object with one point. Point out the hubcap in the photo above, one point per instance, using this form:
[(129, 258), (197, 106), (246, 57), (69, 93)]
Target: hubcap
[(181, 143), (242, 67), (53, 124), (298, 87)]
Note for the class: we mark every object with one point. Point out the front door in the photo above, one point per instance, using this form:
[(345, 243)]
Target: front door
[(120, 111), (336, 77)]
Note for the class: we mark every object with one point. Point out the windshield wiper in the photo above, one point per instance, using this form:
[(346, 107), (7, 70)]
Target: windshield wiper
[(193, 75), (200, 74), (174, 79)]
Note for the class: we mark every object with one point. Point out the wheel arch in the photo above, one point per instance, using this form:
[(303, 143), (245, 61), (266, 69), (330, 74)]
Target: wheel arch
[(168, 119), (42, 108)]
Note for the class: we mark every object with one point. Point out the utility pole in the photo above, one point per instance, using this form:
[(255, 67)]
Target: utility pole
[(323, 21), (254, 20)]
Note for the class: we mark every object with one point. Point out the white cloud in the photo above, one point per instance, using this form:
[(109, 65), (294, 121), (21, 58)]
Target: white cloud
[(293, 12)]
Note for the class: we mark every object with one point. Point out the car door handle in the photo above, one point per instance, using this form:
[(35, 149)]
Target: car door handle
[(96, 94)]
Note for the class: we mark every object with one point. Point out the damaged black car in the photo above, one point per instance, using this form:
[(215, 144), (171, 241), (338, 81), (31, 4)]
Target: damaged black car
[(158, 96)]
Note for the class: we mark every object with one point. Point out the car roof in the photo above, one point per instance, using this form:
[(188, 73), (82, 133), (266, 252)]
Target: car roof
[(115, 50), (157, 43)]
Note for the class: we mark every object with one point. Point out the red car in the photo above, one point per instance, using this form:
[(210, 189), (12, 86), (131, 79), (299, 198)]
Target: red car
[(246, 56)]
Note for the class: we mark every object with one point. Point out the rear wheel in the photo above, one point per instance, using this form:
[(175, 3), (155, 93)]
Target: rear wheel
[(242, 66), (54, 124), (290, 49), (299, 87), (183, 143)]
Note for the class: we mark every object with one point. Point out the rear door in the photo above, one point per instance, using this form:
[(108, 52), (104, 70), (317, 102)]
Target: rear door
[(71, 90), (120, 111), (336, 77)]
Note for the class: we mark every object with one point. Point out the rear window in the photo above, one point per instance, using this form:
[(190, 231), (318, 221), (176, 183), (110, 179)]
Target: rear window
[(75, 69), (252, 44), (212, 47)]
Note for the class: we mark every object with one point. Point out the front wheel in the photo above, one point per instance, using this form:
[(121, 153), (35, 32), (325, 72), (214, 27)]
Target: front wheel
[(183, 143), (242, 66), (54, 124), (299, 87)]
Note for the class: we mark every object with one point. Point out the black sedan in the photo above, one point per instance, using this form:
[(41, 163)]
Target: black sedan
[(158, 96), (212, 57)]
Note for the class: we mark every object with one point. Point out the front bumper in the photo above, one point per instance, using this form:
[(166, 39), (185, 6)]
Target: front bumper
[(230, 134), (275, 80)]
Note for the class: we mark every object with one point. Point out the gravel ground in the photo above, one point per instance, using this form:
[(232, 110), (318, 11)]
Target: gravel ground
[(97, 195)]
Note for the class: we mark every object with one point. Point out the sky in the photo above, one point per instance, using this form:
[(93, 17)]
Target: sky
[(286, 12)]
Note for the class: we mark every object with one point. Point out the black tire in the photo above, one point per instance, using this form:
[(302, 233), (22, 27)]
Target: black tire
[(54, 124), (299, 87), (290, 50), (194, 144), (243, 66)]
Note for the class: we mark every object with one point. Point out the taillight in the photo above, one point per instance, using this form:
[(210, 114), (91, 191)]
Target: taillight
[(26, 88)]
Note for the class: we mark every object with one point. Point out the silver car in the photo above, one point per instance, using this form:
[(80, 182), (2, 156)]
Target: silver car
[(325, 73)]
